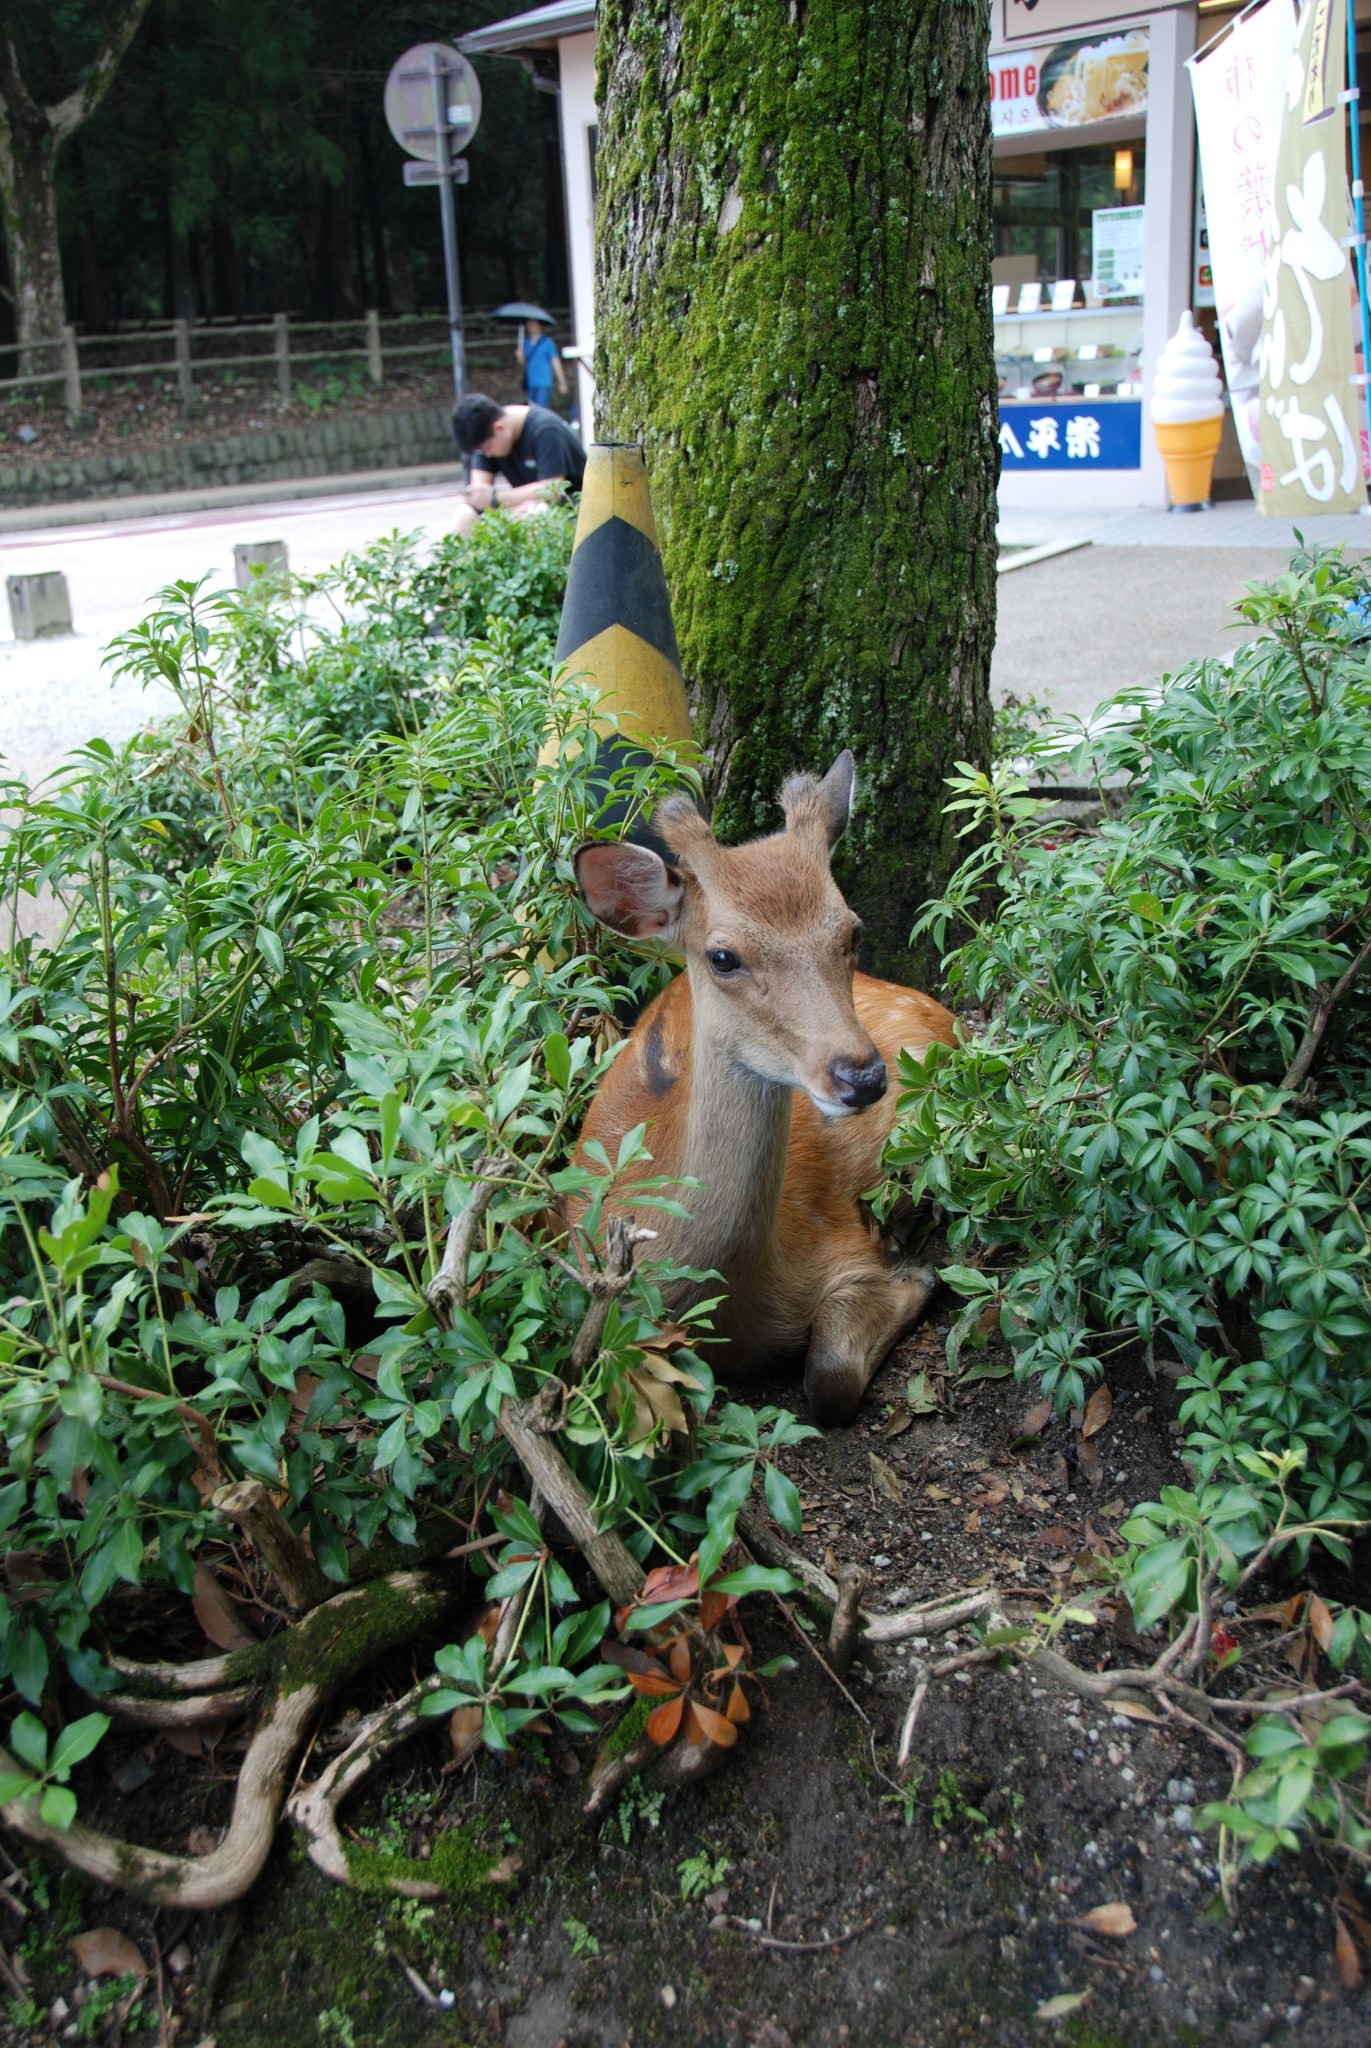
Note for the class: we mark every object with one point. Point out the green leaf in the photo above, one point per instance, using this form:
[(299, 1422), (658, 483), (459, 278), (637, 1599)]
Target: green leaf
[(29, 1740), (270, 947), (1160, 1580), (783, 1499), (756, 1578), (30, 1666), (58, 1806), (76, 1741)]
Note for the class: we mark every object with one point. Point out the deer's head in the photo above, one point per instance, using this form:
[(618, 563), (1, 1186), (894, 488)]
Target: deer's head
[(767, 937)]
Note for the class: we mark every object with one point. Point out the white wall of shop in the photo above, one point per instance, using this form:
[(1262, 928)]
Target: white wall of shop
[(578, 117)]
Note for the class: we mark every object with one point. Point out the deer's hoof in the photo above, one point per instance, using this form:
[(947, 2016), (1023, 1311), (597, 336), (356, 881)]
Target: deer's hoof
[(834, 1389)]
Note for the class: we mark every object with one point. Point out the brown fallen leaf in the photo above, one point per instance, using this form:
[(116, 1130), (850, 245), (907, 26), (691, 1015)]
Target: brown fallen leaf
[(1057, 1537), (1098, 1410), (217, 1614), (972, 1522), (306, 1386), (898, 1420), (992, 1493), (200, 1741), (1133, 1710), (464, 1729), (1037, 1419), (105, 1952), (1115, 1920), (936, 1493), (1321, 1621), (1345, 1949), (885, 1478), (1091, 1463)]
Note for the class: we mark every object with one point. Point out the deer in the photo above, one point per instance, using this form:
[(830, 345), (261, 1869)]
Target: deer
[(762, 1074)]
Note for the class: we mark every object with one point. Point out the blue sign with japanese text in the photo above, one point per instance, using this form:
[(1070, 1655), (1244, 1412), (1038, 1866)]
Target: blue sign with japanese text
[(1081, 436)]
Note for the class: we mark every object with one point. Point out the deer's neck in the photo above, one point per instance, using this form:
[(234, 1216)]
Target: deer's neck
[(737, 1134)]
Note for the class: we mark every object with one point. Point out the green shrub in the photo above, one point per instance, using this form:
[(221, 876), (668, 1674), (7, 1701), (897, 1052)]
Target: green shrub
[(296, 1023), (1163, 1132)]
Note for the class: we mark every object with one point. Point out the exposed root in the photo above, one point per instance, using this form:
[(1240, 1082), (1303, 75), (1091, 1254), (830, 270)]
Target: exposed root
[(205, 1674), (325, 1649), (314, 1809), (842, 1635), (193, 1711), (949, 1610)]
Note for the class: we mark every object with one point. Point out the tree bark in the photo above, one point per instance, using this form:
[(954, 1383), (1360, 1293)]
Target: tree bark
[(30, 137), (793, 289)]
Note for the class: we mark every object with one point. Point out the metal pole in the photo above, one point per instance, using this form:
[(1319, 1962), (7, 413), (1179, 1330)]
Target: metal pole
[(1353, 97), (448, 201)]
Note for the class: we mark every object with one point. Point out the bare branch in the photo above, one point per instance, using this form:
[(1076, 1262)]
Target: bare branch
[(248, 1504), (1323, 1009)]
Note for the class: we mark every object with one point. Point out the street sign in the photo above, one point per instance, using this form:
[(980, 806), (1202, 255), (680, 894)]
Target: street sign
[(411, 113), (433, 105), (430, 174)]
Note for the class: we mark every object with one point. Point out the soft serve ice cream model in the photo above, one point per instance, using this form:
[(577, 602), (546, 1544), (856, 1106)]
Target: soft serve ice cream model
[(1187, 415)]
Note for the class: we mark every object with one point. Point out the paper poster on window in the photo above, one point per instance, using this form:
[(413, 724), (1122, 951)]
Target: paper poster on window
[(1116, 236), (1239, 90), (1310, 408)]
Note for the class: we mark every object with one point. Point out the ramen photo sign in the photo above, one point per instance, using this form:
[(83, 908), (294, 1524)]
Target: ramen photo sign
[(1069, 85)]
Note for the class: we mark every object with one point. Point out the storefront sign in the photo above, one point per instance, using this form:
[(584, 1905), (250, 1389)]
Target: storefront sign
[(1070, 436), (1239, 89), (1069, 85), (1116, 242), (1310, 425), (1021, 20)]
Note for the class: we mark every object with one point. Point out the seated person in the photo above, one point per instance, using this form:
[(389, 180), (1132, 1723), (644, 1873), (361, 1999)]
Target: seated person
[(519, 455)]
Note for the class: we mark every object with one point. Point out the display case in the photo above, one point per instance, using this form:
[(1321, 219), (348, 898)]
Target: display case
[(1087, 352)]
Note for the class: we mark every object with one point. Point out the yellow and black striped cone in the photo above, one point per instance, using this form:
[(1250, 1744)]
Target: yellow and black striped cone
[(616, 617)]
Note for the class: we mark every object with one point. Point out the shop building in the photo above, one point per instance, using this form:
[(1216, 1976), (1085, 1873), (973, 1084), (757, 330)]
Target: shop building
[(1099, 240)]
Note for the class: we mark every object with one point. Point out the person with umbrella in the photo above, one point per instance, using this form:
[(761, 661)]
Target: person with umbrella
[(536, 349)]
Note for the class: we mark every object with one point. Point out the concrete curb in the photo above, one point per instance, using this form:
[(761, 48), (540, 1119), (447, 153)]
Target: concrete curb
[(217, 497), (1024, 558)]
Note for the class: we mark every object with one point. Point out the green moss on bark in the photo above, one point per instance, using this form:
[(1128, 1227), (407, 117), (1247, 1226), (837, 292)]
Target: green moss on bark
[(794, 317)]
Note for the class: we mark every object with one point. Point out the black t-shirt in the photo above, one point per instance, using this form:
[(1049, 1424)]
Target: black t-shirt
[(545, 448)]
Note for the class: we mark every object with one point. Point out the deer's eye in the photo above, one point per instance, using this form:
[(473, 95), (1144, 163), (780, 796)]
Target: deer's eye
[(722, 961)]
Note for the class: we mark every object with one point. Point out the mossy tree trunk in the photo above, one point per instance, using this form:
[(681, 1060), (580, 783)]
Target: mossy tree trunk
[(31, 134), (794, 251)]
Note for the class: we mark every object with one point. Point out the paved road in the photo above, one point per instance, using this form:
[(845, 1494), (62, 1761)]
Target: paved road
[(54, 694), (1140, 594)]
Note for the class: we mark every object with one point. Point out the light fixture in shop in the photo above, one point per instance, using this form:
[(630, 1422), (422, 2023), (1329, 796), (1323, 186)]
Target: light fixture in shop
[(1123, 169)]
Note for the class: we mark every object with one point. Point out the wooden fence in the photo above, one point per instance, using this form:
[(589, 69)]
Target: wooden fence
[(78, 358)]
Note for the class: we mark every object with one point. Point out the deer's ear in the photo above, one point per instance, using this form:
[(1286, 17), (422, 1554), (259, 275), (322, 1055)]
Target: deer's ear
[(837, 792), (629, 888), (821, 808)]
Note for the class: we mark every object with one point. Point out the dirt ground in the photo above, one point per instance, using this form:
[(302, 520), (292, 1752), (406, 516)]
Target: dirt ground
[(126, 415), (802, 1897)]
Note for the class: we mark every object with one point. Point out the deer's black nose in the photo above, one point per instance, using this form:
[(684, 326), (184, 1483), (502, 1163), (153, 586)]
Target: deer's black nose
[(858, 1087)]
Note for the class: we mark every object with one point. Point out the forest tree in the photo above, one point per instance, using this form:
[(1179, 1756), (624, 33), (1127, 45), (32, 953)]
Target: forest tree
[(31, 134), (793, 288)]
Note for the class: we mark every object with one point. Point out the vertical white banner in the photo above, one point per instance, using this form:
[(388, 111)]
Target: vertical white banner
[(1310, 416), (1239, 88)]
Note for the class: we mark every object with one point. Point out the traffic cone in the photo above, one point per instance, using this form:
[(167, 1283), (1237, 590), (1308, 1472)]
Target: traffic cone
[(616, 616)]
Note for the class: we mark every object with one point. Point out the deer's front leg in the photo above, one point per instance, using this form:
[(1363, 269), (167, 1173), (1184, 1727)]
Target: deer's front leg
[(860, 1317)]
